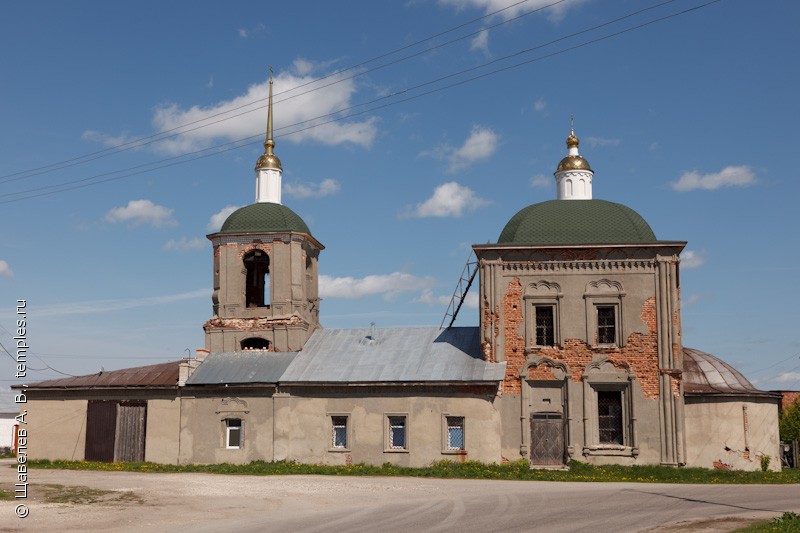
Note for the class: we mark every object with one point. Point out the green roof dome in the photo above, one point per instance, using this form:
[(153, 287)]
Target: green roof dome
[(576, 222), (264, 217)]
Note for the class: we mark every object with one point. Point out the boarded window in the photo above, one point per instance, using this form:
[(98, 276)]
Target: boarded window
[(609, 414)]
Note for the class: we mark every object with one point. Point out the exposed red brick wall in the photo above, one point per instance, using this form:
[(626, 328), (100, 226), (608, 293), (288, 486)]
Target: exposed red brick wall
[(514, 342), (640, 352)]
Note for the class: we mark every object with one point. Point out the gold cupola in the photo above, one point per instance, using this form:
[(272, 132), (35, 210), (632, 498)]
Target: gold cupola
[(573, 160), (268, 159), (573, 175)]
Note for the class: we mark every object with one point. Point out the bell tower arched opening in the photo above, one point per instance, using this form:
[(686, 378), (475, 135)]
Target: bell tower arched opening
[(256, 264)]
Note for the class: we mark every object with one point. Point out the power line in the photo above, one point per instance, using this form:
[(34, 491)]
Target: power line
[(239, 143), (173, 132)]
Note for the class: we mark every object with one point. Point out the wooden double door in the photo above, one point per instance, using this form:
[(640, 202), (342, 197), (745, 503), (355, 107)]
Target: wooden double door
[(116, 430), (547, 439)]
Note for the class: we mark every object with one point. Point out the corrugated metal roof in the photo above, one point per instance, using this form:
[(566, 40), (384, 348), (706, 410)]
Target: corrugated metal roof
[(394, 355), (252, 366), (162, 374), (705, 374)]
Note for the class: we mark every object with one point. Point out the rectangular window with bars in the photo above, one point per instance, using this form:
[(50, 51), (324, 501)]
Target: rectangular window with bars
[(455, 432), (545, 326), (609, 414), (339, 432), (397, 432), (606, 324)]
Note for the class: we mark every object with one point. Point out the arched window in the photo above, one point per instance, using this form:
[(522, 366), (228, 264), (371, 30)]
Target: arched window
[(254, 343), (569, 187), (256, 263)]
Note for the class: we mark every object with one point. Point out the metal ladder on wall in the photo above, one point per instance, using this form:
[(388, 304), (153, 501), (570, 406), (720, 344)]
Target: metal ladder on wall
[(462, 287)]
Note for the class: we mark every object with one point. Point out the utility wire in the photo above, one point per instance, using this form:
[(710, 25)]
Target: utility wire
[(33, 354), (233, 145), (162, 135)]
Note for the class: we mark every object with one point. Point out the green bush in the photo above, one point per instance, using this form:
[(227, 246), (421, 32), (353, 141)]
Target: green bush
[(790, 422)]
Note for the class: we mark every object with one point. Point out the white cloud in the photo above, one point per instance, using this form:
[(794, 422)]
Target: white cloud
[(691, 299), (209, 126), (183, 244), (104, 306), (218, 219), (787, 377), (246, 33), (554, 13), (5, 270), (741, 176), (540, 181), (540, 105), (481, 144), (389, 285), (692, 259), (448, 200), (602, 141), (427, 297), (326, 187), (139, 212), (481, 42)]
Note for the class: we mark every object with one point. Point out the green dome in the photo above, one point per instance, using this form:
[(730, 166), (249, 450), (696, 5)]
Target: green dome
[(264, 217), (576, 222)]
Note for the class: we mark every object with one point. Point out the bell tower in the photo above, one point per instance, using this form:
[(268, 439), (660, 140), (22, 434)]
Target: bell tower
[(266, 290)]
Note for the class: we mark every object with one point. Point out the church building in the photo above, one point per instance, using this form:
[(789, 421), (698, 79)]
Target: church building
[(578, 356)]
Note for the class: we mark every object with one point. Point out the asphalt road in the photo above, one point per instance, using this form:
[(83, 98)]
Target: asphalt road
[(217, 503)]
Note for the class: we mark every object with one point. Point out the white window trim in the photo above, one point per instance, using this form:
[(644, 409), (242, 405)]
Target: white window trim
[(348, 433), (387, 432), (228, 429), (446, 435)]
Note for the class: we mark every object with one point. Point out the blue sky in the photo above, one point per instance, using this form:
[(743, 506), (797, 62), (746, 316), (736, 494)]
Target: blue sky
[(687, 120)]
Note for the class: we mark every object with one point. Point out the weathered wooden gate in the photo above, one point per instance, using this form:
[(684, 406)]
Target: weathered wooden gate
[(115, 430), (130, 431), (101, 423), (547, 439)]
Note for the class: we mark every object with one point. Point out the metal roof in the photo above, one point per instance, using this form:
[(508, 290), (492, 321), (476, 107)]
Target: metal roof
[(408, 355), (162, 374), (251, 366), (705, 374)]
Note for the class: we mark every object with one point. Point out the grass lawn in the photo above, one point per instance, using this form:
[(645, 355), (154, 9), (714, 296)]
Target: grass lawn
[(518, 470)]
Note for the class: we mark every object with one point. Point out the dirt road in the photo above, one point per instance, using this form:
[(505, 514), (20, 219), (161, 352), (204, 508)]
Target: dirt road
[(62, 501)]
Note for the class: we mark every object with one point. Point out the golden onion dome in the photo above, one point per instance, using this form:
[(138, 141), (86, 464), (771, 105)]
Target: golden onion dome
[(572, 140), (574, 162), (268, 160)]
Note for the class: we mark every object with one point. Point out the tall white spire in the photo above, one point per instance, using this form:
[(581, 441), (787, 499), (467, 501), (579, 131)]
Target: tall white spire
[(574, 175), (268, 166)]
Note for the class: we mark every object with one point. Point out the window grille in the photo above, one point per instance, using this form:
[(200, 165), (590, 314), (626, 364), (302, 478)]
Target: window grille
[(233, 433), (606, 325), (339, 431), (397, 432), (544, 326), (455, 432), (609, 413)]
